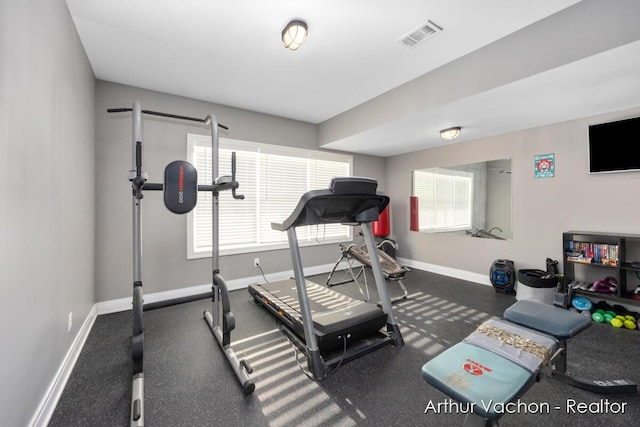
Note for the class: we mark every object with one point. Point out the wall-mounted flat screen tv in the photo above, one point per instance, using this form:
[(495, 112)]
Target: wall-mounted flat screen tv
[(613, 147)]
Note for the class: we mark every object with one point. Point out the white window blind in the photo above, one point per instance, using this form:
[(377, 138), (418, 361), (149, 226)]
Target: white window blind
[(445, 199), (272, 179)]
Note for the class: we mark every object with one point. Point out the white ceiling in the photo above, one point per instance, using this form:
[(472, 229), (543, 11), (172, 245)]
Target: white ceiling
[(230, 53)]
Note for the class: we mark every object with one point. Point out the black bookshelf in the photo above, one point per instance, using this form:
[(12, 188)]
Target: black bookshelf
[(591, 256)]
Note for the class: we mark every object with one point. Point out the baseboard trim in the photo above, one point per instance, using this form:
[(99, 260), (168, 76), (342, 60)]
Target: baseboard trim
[(50, 400), (448, 271), (124, 304)]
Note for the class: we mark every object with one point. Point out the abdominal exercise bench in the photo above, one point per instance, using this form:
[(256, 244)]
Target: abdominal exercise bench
[(501, 359), (391, 268)]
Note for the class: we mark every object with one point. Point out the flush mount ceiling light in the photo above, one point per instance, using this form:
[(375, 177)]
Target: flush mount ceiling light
[(294, 34), (450, 133)]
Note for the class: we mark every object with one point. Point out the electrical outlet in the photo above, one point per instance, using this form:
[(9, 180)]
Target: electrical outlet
[(256, 262), (70, 322)]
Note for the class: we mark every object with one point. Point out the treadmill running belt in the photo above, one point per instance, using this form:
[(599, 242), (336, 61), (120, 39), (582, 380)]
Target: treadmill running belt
[(334, 314)]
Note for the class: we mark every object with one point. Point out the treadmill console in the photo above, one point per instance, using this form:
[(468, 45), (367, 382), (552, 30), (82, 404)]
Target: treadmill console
[(353, 185), (347, 200)]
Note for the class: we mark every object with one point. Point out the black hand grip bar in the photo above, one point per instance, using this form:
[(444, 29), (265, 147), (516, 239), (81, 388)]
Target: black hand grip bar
[(157, 113), (233, 177)]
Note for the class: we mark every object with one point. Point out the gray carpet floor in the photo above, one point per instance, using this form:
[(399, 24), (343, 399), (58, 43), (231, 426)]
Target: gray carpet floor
[(189, 383)]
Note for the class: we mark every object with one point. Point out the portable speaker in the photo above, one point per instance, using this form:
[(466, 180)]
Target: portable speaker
[(503, 276)]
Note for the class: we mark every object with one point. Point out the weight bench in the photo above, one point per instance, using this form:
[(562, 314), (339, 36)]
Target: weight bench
[(503, 358)]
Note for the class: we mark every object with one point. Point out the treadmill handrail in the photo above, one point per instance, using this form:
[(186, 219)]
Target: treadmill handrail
[(328, 207)]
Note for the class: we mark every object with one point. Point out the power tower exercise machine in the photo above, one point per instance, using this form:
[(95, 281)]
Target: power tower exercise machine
[(180, 189), (328, 327)]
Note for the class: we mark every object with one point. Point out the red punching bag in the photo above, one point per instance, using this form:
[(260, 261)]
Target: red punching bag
[(414, 214), (382, 227)]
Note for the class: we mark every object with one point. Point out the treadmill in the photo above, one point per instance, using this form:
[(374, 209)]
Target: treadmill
[(328, 327)]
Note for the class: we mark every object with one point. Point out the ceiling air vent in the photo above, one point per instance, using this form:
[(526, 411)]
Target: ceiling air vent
[(420, 34)]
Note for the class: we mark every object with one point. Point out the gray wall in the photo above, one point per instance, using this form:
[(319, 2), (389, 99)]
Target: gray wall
[(164, 234), (542, 208), (47, 192)]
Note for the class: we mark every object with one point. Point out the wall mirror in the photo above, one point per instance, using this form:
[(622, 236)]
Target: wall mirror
[(472, 200)]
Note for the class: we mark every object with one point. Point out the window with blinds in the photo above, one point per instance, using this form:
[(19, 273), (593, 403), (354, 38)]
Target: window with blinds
[(272, 179), (445, 199)]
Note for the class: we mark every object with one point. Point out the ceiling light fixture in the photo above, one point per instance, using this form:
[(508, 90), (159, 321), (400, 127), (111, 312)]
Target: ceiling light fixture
[(450, 133), (294, 34)]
